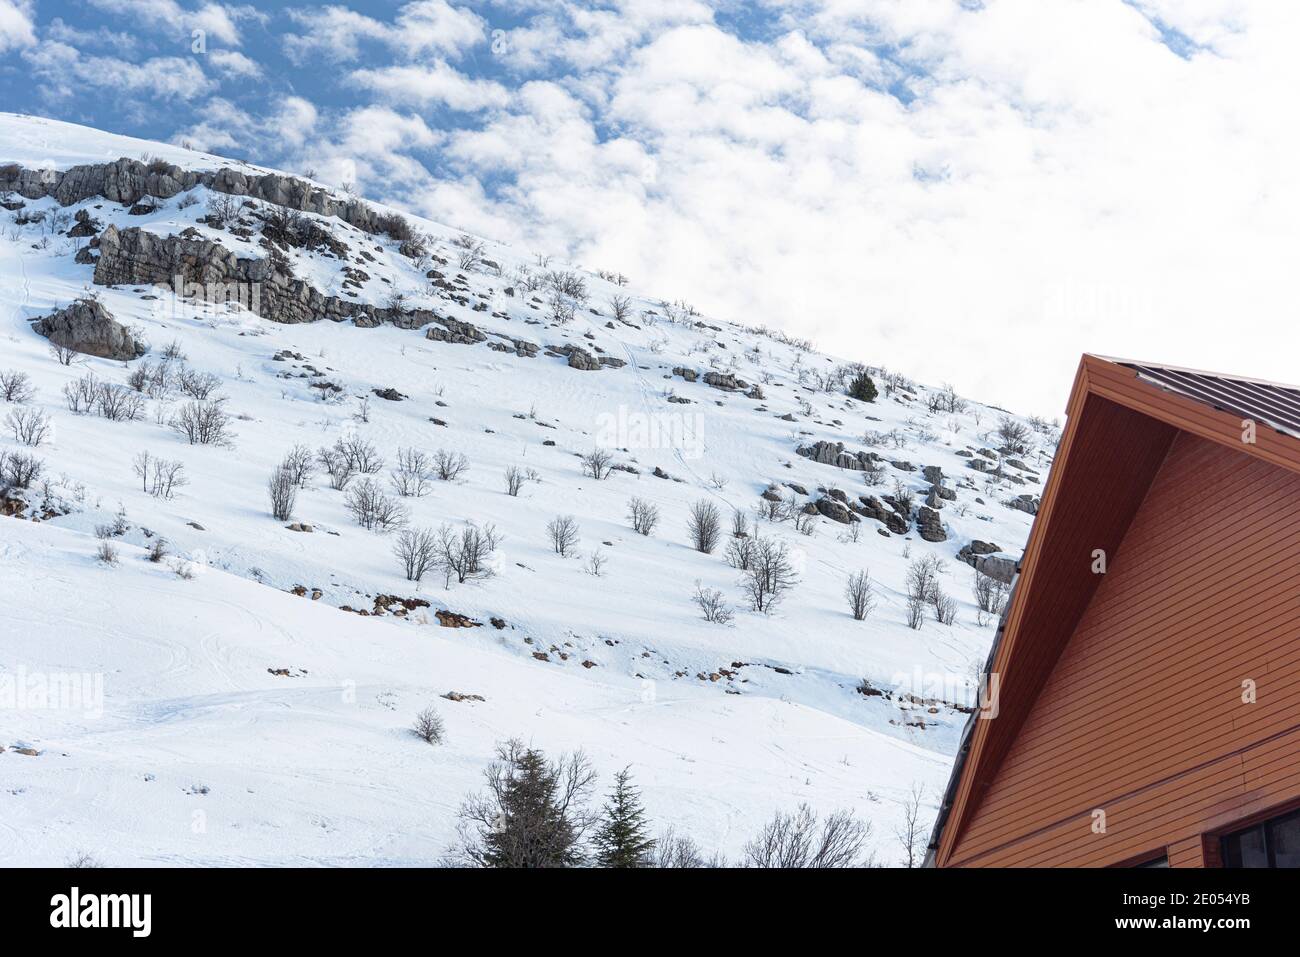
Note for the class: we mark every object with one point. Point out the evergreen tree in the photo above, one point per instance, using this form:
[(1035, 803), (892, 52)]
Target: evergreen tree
[(862, 388), (622, 839)]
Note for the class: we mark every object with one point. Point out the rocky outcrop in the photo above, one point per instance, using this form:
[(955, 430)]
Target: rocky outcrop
[(1023, 503), (725, 381), (929, 525), (972, 552), (834, 453), (690, 375), (127, 181), (997, 567), (580, 358), (834, 510), (871, 507), (197, 268), (90, 328)]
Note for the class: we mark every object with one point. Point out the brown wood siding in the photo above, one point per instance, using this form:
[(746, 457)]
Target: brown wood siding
[(1142, 715)]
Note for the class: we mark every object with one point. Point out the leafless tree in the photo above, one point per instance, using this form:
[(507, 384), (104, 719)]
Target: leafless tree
[(596, 562), (417, 549), (1014, 437), (739, 524), (770, 575), (336, 466), (197, 385), (915, 612), (283, 491), (82, 394), (202, 423), (118, 403), (563, 533), (372, 509), (298, 463), (704, 526), (673, 850), (515, 479), (945, 608), (795, 840), (466, 554), (62, 353), (620, 308), (19, 469), (428, 726), (990, 594), (360, 455), (413, 476), (15, 386), (643, 515), (597, 463), (30, 427), (740, 552), (860, 595), (449, 466), (712, 604), (911, 833)]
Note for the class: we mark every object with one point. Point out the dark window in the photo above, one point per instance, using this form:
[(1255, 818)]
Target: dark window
[(1161, 861), (1274, 843)]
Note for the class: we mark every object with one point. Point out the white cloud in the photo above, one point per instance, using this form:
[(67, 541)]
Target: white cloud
[(218, 21), (63, 70), (427, 26), (17, 24), (435, 83), (231, 63)]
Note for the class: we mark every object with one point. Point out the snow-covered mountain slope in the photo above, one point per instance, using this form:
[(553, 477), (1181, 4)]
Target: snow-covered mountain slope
[(437, 342)]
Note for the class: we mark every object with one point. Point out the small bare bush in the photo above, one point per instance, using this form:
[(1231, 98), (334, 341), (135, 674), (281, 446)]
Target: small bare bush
[(712, 605), (106, 553), (563, 534), (417, 550), (283, 492), (203, 423), (796, 840), (429, 726), (643, 515), (597, 464), (15, 386), (770, 576), (860, 595), (449, 466), (413, 476), (372, 508), (704, 526), (30, 427)]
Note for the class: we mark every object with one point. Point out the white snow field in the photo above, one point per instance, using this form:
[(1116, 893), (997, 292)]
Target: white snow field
[(203, 755)]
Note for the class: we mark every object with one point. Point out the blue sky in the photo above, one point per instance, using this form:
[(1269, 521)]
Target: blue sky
[(909, 182)]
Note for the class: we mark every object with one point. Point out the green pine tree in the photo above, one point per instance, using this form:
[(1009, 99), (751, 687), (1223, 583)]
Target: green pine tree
[(862, 388), (533, 825), (622, 840)]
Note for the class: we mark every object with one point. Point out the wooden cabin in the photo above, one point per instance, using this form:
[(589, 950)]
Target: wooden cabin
[(1147, 669)]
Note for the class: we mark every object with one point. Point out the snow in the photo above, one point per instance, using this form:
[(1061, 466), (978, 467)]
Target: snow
[(319, 767)]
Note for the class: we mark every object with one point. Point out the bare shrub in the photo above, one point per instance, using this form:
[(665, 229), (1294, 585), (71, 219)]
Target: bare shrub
[(915, 612), (372, 509), (413, 476), (428, 726), (739, 552), (82, 395), (30, 427), (990, 594), (860, 595), (467, 554), (449, 466), (1014, 437), (118, 403), (361, 455), (643, 515), (770, 575), (417, 549), (620, 307), (911, 834), (157, 550), (62, 353), (197, 385), (16, 386), (796, 841), (597, 464), (298, 463), (203, 423), (945, 609), (159, 477), (739, 524), (673, 850), (704, 526), (337, 467), (20, 469), (106, 554), (712, 605), (283, 492), (596, 562), (563, 534), (515, 478)]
